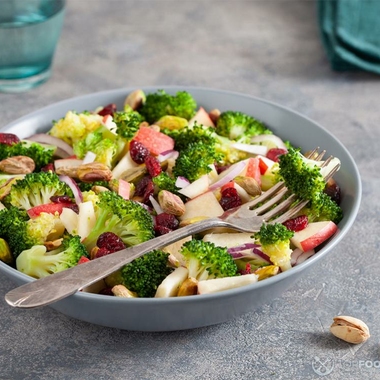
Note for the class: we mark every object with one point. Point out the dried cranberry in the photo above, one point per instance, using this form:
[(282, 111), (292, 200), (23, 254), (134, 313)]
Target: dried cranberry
[(138, 151), (230, 198), (220, 168), (246, 270), (149, 190), (297, 224), (110, 242), (61, 199), (109, 109), (274, 153), (332, 189), (142, 185), (153, 166), (8, 139), (48, 168), (166, 220), (161, 230), (106, 292)]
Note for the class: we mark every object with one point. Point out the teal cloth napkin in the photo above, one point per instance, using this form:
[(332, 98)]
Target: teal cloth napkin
[(350, 31)]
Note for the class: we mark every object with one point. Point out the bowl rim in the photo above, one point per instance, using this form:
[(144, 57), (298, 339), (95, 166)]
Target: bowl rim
[(339, 235)]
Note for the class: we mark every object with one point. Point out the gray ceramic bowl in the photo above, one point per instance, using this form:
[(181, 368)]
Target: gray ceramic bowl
[(201, 310)]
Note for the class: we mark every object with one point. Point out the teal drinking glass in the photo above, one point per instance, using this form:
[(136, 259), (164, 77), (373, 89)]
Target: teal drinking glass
[(29, 33)]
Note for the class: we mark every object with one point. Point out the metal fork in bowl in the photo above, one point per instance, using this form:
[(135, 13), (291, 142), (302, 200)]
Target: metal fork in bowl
[(275, 205)]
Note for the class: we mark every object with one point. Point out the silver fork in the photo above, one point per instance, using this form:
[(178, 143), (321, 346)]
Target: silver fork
[(245, 218)]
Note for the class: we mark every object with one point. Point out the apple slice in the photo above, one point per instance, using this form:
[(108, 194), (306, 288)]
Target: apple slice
[(196, 188), (201, 117), (204, 206), (225, 283), (313, 235), (171, 284)]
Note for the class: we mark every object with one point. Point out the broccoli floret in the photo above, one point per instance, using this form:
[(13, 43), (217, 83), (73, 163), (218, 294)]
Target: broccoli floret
[(106, 145), (302, 176), (323, 208), (14, 230), (144, 274), (128, 123), (87, 186), (127, 219), (239, 126), (197, 147), (275, 242), (164, 182), (37, 262), (160, 104), (75, 126), (41, 154), (36, 189), (205, 260)]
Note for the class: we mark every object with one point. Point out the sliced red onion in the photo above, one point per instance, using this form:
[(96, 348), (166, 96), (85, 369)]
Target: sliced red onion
[(181, 182), (243, 247), (167, 155), (63, 149), (248, 250), (74, 187), (272, 138), (89, 157), (228, 175), (156, 205), (251, 148)]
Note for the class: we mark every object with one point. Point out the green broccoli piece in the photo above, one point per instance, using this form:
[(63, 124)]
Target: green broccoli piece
[(127, 219), (144, 274), (37, 262), (105, 144), (323, 208), (198, 150), (36, 189), (128, 123), (164, 182), (14, 230), (239, 126), (205, 260), (275, 242), (160, 104), (41, 154)]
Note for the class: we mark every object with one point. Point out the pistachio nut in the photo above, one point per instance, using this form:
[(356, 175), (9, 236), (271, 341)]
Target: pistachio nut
[(122, 291), (17, 165), (350, 329), (249, 184), (94, 171), (171, 203)]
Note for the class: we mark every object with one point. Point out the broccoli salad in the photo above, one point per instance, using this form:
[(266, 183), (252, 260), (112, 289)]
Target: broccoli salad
[(103, 180)]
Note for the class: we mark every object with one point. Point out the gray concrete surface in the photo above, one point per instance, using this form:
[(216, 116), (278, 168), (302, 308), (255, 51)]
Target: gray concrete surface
[(269, 49)]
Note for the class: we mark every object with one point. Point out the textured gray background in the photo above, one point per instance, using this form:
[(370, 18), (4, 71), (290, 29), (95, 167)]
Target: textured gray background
[(269, 49)]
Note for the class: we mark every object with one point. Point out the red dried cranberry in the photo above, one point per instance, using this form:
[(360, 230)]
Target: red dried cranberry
[(110, 242), (220, 168), (109, 109), (297, 224), (8, 139), (230, 198), (149, 190), (138, 151), (142, 185), (246, 270), (161, 230), (106, 292), (166, 220), (274, 153), (61, 199), (332, 189), (102, 252), (153, 166), (48, 168)]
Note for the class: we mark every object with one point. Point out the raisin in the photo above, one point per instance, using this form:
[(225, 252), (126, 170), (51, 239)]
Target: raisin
[(230, 198), (297, 224), (153, 166), (274, 153), (138, 151), (8, 139), (109, 109)]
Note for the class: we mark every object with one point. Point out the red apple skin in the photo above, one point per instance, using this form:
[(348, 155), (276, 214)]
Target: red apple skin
[(313, 235)]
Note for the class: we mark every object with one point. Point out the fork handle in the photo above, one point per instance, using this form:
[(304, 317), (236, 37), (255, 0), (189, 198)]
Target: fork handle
[(63, 284)]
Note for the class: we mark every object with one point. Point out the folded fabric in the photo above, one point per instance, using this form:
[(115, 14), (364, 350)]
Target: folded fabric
[(350, 31)]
